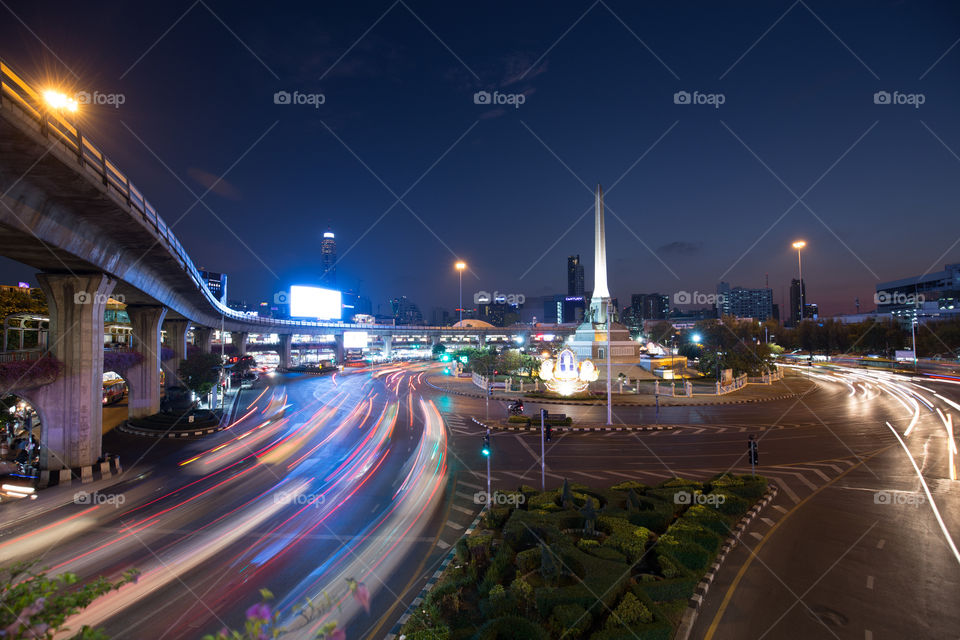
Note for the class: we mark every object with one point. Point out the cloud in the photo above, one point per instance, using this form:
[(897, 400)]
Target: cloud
[(214, 183), (679, 248)]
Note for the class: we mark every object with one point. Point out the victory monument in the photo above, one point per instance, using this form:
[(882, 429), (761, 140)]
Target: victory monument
[(591, 339)]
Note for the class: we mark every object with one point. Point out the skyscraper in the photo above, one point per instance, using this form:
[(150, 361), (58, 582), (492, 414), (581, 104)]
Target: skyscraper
[(328, 253), (574, 276), (796, 314)]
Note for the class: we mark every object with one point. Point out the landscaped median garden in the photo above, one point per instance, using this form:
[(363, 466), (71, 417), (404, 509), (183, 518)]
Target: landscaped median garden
[(580, 562)]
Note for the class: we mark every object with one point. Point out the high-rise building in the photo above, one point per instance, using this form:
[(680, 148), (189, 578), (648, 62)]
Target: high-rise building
[(798, 290), (405, 312), (328, 254), (216, 283), (650, 306), (744, 303), (574, 276)]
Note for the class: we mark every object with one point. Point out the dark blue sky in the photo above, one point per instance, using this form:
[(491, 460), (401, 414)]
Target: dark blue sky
[(504, 188)]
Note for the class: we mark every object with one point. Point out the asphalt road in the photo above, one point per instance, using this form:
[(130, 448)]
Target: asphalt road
[(374, 475), (851, 548)]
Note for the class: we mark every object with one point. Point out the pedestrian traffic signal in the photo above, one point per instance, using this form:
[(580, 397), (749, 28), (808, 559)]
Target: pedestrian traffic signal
[(486, 445), (548, 432)]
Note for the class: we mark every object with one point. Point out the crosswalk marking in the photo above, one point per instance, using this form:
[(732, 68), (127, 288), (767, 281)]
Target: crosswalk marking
[(589, 475), (768, 521), (470, 484), (443, 545), (786, 489), (799, 476), (754, 533), (776, 506), (824, 476), (453, 525), (465, 496), (462, 509)]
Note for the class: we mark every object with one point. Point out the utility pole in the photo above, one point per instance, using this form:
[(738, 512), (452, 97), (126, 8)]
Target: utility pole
[(609, 368), (543, 459)]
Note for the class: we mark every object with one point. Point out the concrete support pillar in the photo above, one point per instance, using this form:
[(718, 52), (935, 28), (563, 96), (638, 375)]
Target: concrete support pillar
[(202, 338), (286, 340), (387, 346), (239, 338), (339, 347), (144, 378), (481, 340), (71, 407), (176, 340)]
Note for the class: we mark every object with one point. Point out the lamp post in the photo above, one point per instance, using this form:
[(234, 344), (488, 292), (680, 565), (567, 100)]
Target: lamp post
[(798, 245), (461, 265)]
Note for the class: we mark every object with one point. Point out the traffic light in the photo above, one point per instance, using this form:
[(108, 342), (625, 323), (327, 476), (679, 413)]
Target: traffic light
[(548, 432), (445, 357), (752, 451), (486, 445)]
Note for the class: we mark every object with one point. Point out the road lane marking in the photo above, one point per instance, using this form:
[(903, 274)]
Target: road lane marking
[(465, 496), (767, 521), (756, 535), (779, 508), (824, 476), (881, 543), (627, 475), (454, 525), (515, 475), (869, 582), (469, 512), (471, 485), (728, 596), (589, 475), (533, 455), (867, 634), (443, 545)]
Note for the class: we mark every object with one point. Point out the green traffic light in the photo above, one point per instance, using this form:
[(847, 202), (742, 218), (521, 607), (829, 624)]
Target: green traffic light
[(486, 451)]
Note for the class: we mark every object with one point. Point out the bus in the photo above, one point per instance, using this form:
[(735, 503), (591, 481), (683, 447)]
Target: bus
[(113, 391)]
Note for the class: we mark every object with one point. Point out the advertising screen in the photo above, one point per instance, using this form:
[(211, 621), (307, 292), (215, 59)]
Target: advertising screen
[(314, 302), (354, 339)]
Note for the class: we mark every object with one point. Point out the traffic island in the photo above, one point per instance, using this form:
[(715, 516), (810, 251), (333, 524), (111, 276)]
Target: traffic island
[(563, 423), (196, 423), (583, 562)]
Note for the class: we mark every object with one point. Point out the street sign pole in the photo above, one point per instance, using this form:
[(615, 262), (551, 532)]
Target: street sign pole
[(543, 459), (489, 494)]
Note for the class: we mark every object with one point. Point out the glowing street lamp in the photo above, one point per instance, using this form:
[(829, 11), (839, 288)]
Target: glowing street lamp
[(696, 338), (798, 245), (59, 101), (460, 266)]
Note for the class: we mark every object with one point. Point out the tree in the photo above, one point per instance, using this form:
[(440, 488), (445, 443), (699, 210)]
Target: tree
[(35, 605), (21, 301), (199, 372), (509, 361), (439, 350)]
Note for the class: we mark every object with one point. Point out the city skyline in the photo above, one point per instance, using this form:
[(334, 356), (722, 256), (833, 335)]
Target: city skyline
[(683, 216)]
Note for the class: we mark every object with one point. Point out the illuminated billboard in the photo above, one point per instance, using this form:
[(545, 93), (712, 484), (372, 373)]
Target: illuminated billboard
[(354, 339), (314, 302)]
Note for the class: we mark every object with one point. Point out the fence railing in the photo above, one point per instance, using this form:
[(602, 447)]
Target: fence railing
[(18, 356)]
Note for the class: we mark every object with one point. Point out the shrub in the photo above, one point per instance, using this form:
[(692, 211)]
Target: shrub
[(674, 589), (569, 621), (499, 570), (585, 544), (525, 529), (479, 544), (667, 568), (528, 560), (691, 531), (495, 517), (733, 505), (510, 628), (608, 553), (522, 593), (519, 419), (629, 484), (681, 482), (543, 500), (462, 550), (629, 612), (499, 603), (688, 554)]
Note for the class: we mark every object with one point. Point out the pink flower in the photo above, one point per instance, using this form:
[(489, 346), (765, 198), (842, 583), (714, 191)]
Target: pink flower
[(259, 611)]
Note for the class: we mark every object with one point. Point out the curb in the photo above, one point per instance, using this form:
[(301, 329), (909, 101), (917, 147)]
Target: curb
[(696, 600), (179, 433), (84, 475), (395, 630), (616, 404), (621, 428)]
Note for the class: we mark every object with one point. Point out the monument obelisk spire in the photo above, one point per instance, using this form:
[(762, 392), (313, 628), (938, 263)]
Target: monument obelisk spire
[(598, 301)]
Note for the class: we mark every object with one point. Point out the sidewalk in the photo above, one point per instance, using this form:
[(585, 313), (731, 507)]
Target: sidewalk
[(791, 386)]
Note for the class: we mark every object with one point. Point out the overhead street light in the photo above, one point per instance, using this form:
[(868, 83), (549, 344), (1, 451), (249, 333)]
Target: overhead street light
[(798, 245), (460, 266), (59, 101)]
